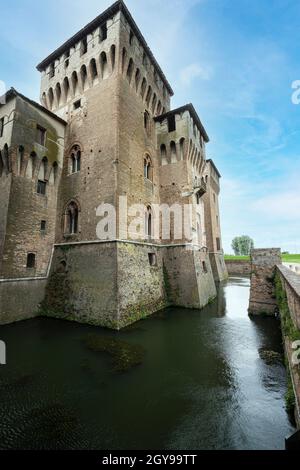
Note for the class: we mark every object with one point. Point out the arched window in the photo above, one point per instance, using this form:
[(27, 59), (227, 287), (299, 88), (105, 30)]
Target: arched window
[(147, 121), (71, 218), (148, 169), (58, 93), (173, 152), (182, 148), (83, 75), (5, 158), (44, 99), (143, 87), (53, 173), (159, 108), (75, 159), (113, 56), (66, 88), (148, 97), (137, 79), (74, 80), (154, 101), (20, 159), (103, 65), (50, 98), (163, 155), (124, 56), (93, 69), (130, 70), (131, 37), (148, 222), (31, 166), (43, 169)]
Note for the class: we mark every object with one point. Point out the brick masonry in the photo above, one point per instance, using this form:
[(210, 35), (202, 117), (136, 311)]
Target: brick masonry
[(262, 293), (238, 267)]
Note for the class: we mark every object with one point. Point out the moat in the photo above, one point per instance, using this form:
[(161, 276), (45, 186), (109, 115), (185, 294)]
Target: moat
[(179, 380)]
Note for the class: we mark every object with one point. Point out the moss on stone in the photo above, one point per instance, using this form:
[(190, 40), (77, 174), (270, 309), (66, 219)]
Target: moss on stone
[(124, 355), (290, 399), (288, 327), (270, 357), (167, 283)]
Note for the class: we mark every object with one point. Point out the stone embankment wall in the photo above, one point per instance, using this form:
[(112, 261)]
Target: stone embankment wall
[(288, 297), (20, 299), (262, 291), (275, 288), (238, 267)]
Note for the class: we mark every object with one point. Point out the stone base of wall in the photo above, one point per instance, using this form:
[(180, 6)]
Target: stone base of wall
[(262, 291), (218, 266), (114, 284), (20, 299), (239, 267), (188, 277)]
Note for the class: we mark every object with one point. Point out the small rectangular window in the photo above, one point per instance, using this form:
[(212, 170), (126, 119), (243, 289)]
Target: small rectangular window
[(43, 225), (152, 259), (52, 70), (41, 135), (30, 261), (77, 104), (204, 267), (172, 123), (41, 187), (83, 46), (103, 32), (1, 127), (218, 244)]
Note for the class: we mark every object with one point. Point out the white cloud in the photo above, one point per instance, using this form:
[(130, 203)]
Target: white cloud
[(192, 71)]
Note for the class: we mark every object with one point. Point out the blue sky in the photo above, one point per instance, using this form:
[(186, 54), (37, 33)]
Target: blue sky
[(234, 59)]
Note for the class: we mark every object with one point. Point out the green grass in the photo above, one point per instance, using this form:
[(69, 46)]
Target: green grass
[(291, 258), (237, 258), (285, 258)]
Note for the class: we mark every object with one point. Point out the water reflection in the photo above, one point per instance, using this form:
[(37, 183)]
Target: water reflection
[(202, 383)]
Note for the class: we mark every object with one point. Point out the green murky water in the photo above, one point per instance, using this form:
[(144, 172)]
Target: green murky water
[(179, 380)]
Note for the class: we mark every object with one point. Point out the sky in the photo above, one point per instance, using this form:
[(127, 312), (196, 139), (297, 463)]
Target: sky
[(235, 60)]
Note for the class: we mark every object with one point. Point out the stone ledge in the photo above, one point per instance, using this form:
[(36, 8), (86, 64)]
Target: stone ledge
[(291, 278)]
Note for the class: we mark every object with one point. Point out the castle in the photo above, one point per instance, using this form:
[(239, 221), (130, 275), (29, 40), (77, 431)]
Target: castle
[(104, 134)]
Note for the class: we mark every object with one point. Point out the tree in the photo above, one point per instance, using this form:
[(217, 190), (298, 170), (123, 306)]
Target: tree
[(242, 245)]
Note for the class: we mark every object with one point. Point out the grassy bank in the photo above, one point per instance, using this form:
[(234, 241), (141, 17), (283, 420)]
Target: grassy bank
[(285, 258)]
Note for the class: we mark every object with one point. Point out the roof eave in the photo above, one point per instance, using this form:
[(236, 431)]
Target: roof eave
[(188, 107), (13, 93)]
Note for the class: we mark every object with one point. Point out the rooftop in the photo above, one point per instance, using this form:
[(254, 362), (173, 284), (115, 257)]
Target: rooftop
[(188, 107), (12, 93), (214, 166), (90, 27)]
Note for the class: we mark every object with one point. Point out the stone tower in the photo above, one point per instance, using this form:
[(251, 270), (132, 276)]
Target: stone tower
[(124, 148), (213, 221)]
